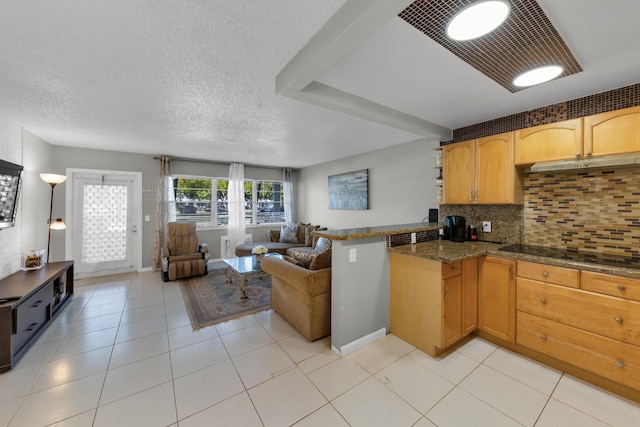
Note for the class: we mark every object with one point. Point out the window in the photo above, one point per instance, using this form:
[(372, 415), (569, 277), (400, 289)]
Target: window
[(197, 201)]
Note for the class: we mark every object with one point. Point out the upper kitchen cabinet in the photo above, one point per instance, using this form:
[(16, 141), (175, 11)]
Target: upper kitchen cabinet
[(613, 132), (553, 141), (482, 171)]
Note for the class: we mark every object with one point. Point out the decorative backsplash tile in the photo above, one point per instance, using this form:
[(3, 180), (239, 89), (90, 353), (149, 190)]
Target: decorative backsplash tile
[(628, 96), (597, 211), (506, 220)]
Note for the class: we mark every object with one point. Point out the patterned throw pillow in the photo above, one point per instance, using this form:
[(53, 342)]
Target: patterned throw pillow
[(322, 244), (303, 255), (274, 235), (308, 237), (302, 229), (293, 261), (315, 238), (289, 234), (320, 260)]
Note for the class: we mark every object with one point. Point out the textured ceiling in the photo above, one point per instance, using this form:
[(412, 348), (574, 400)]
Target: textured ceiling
[(205, 79)]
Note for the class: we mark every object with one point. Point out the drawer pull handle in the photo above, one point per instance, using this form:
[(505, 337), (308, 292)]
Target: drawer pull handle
[(543, 337), (446, 291), (545, 274), (621, 288), (37, 303), (619, 364), (619, 319), (31, 326), (543, 301), (454, 268)]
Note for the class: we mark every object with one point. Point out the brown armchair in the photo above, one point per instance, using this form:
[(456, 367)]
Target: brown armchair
[(183, 256)]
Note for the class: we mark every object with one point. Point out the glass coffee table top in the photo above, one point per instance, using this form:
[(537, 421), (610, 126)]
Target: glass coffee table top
[(245, 266)]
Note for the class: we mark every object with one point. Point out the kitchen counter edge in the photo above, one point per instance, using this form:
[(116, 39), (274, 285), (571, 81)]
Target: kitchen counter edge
[(449, 252)]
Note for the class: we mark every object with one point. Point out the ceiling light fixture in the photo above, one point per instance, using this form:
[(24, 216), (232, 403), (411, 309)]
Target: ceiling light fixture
[(538, 75), (478, 19)]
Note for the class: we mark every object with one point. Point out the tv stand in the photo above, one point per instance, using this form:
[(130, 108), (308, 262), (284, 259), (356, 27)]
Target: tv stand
[(29, 300)]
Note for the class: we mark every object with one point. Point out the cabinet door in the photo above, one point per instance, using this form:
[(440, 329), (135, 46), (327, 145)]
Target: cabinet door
[(469, 295), (497, 297), (495, 173), (553, 141), (614, 132), (451, 310), (458, 172)]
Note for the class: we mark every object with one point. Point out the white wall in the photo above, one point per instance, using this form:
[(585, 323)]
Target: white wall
[(11, 151), (37, 158), (401, 187)]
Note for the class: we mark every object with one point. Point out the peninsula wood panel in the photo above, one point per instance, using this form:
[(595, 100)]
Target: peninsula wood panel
[(469, 295), (415, 310), (613, 132), (553, 141)]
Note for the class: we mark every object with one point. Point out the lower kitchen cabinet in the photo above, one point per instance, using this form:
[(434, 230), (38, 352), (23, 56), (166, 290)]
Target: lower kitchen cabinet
[(432, 305), (497, 297)]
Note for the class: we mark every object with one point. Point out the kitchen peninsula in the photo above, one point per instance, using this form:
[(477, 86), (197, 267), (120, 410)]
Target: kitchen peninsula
[(360, 280), (575, 311)]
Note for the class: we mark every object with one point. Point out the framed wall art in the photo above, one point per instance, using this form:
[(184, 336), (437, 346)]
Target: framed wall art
[(349, 191)]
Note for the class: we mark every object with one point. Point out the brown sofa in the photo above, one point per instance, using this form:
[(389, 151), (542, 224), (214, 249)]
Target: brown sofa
[(301, 296), (274, 245)]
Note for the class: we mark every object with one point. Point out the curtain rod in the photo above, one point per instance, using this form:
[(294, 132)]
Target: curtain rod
[(185, 159)]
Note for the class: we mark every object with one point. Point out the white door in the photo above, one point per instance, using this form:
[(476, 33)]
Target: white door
[(104, 222)]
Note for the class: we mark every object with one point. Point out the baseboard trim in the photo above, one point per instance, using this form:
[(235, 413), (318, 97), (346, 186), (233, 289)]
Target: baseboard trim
[(359, 343)]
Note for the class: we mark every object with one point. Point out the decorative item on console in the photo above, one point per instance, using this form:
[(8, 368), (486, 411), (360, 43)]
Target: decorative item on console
[(34, 260)]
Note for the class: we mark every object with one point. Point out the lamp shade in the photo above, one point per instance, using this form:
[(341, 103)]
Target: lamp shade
[(58, 224), (52, 178)]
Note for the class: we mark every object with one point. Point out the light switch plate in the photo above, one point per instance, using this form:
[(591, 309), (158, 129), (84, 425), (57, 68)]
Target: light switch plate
[(352, 255), (413, 237)]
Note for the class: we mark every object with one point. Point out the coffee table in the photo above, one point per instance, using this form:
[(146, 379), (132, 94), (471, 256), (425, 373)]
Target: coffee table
[(245, 267)]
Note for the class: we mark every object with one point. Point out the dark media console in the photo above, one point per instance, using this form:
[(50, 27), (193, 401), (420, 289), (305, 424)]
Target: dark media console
[(29, 300)]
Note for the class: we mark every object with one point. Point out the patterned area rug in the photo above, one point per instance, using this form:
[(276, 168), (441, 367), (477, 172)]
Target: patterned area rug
[(211, 300)]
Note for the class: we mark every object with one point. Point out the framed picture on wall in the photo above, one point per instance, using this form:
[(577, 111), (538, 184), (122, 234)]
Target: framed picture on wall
[(349, 191)]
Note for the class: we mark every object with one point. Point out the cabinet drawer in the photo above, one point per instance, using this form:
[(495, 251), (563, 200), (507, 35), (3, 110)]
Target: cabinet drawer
[(616, 286), (549, 274), (450, 270), (608, 358), (612, 317), (29, 317)]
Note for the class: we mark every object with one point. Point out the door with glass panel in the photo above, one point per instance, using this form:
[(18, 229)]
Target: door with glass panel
[(104, 225)]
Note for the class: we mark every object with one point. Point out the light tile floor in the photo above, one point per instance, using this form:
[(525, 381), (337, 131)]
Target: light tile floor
[(123, 353)]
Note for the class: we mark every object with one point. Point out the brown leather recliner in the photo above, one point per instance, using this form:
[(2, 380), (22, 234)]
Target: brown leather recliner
[(183, 256)]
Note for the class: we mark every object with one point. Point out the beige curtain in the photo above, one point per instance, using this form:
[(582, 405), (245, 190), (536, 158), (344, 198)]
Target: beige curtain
[(165, 208)]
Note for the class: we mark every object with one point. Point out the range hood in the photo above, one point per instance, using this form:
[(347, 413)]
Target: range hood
[(614, 161)]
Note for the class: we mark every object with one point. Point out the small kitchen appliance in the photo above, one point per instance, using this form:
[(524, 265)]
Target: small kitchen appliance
[(455, 228)]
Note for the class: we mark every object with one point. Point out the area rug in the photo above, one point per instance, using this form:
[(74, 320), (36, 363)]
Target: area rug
[(211, 300)]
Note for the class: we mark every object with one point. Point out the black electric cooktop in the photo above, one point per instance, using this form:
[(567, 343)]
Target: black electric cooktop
[(588, 257)]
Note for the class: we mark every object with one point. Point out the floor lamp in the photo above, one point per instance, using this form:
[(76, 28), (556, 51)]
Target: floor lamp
[(53, 180)]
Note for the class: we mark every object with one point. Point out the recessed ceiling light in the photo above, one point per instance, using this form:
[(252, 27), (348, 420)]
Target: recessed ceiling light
[(478, 19), (538, 75)]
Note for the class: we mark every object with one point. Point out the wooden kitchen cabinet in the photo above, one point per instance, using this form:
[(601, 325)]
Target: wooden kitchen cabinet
[(457, 169), (497, 297), (430, 302), (482, 171), (553, 141), (613, 132)]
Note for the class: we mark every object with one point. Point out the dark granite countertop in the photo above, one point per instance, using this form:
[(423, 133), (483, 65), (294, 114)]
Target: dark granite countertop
[(448, 252), (384, 230)]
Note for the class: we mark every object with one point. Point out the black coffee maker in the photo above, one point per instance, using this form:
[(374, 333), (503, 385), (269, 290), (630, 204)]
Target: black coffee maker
[(455, 228)]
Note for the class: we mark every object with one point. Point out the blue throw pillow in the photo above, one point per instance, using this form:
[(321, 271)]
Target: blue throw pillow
[(322, 244), (289, 234)]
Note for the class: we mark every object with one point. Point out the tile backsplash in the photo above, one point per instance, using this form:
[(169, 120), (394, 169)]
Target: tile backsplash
[(596, 211), (506, 220)]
